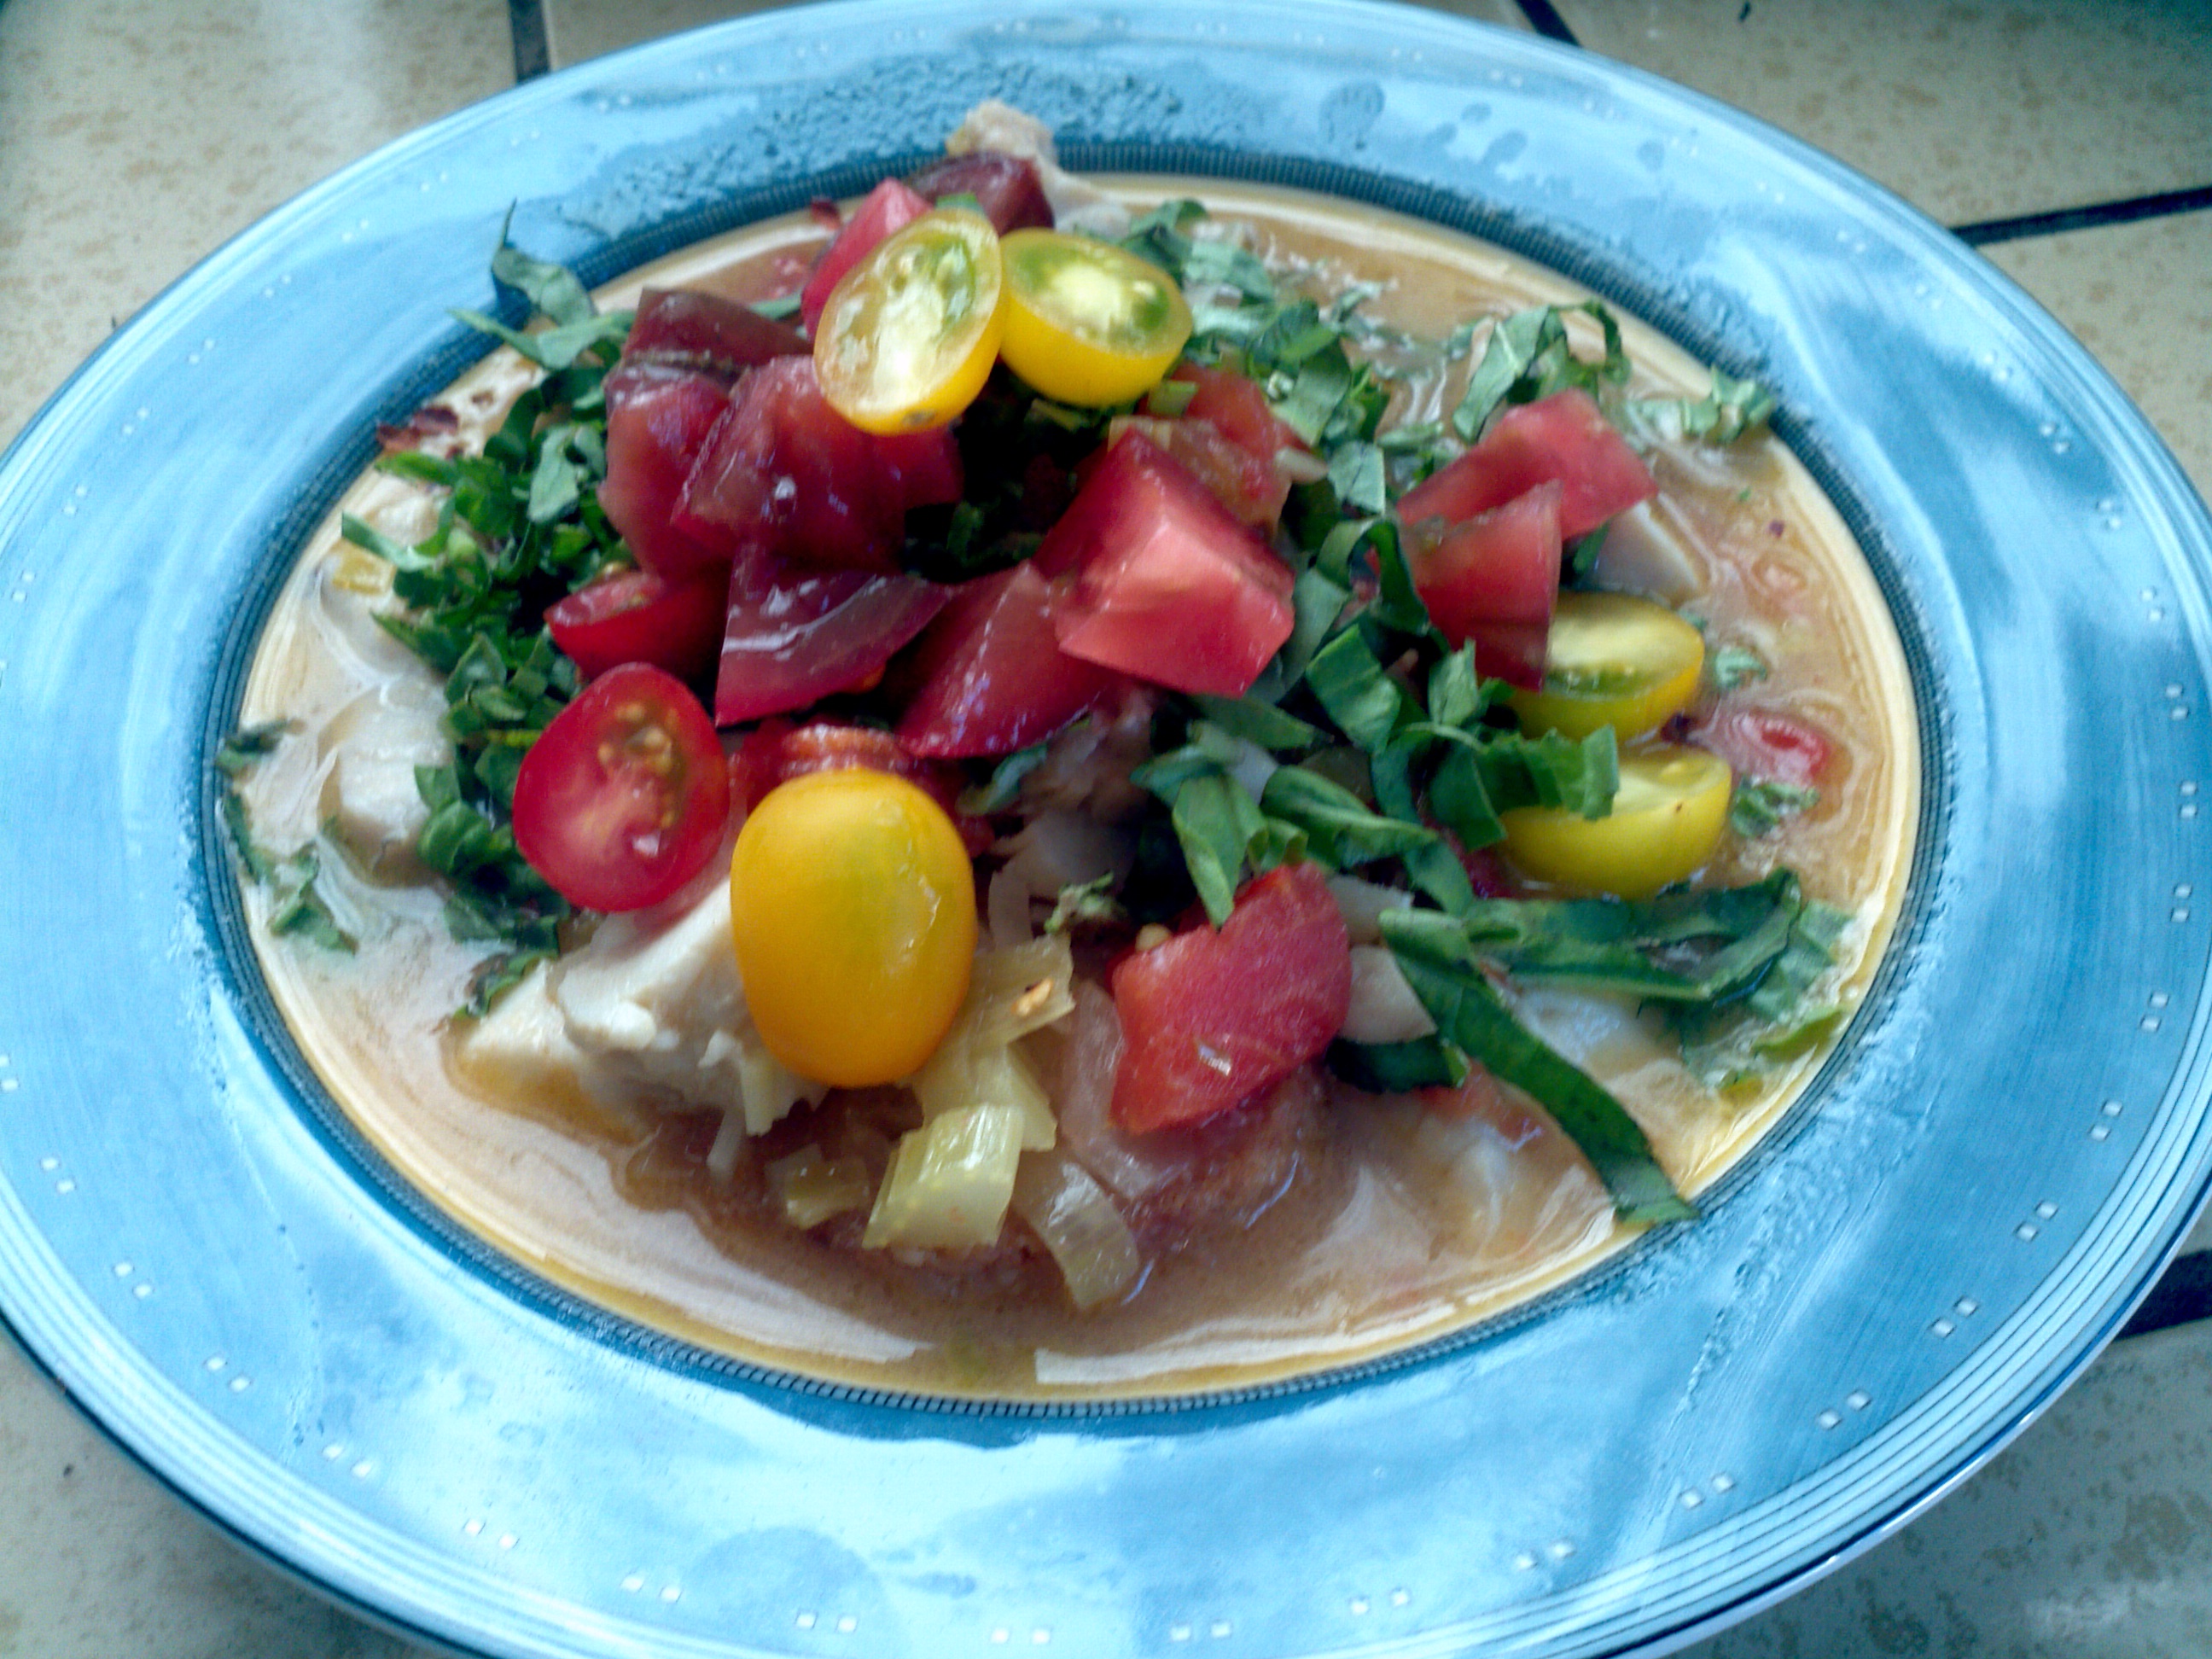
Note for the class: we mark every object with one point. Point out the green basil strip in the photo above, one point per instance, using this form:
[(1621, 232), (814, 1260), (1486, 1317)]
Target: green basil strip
[(1215, 822), (1366, 704), (1005, 786), (1396, 1068), (552, 290), (1342, 829), (1262, 723), (1433, 953)]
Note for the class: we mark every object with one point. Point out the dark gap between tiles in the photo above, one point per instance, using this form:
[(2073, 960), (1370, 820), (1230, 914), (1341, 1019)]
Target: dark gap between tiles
[(525, 24), (2124, 211), (2183, 1295), (1546, 22)]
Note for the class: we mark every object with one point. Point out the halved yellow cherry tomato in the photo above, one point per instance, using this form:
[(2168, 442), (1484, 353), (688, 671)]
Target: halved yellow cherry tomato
[(853, 909), (908, 335), (1613, 661), (1666, 818), (1088, 322)]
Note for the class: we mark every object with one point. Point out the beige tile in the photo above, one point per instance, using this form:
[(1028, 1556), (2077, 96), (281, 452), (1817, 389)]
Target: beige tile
[(124, 1568), (135, 136), (577, 29), (2137, 296), (1971, 109)]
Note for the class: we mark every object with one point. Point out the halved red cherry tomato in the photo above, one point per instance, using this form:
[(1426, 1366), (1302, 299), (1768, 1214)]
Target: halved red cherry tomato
[(1088, 322), (890, 206), (623, 798), (909, 334), (638, 617)]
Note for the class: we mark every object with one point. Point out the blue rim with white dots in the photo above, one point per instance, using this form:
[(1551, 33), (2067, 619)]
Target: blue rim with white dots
[(1990, 1173)]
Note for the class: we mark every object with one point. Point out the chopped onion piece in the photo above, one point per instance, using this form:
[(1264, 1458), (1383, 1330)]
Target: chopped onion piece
[(964, 1074), (769, 1087), (949, 1182), (1086, 1099), (1383, 1007), (811, 1188), (1016, 992), (1070, 1212), (729, 1143)]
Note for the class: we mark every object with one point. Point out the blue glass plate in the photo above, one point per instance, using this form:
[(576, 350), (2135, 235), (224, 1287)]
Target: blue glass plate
[(1989, 1173)]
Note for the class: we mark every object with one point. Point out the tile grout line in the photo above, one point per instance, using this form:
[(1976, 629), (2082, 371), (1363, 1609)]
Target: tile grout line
[(1545, 19), (525, 25), (2124, 211)]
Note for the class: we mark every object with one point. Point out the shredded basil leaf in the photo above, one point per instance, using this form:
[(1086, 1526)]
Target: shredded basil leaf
[(1758, 805), (1433, 952), (1735, 664)]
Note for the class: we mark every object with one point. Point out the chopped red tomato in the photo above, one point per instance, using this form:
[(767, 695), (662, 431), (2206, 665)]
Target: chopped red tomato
[(1758, 743), (623, 798), (793, 632), (889, 206), (1006, 187), (1564, 439), (1494, 579), (639, 617), (687, 329), (1164, 584), (1212, 1018), (659, 419), (992, 678), (778, 751), (785, 474)]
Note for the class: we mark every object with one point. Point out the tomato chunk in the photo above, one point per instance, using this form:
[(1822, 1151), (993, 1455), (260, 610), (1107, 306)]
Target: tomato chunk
[(1564, 439), (1006, 187), (624, 797), (1253, 489), (784, 474), (1762, 743), (793, 632), (637, 615), (1211, 1019), (776, 751), (993, 676), (1237, 406), (889, 206), (1494, 579), (1165, 585), (685, 328), (659, 419)]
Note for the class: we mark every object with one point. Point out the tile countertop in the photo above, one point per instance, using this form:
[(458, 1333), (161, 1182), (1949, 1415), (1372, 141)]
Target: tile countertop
[(2071, 142)]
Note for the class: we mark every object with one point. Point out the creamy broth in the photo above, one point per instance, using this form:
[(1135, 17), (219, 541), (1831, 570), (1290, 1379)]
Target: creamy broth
[(1402, 1230)]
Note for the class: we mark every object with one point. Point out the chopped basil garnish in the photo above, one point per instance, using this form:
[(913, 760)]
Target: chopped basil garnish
[(296, 908), (1758, 805)]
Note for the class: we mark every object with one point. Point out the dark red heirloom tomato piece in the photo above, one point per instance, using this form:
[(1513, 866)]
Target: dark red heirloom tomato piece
[(784, 473), (1494, 579), (992, 678), (793, 632), (1564, 439), (686, 328), (1212, 1018), (1759, 742), (622, 798), (658, 421), (636, 615), (1164, 583), (889, 206), (1006, 187)]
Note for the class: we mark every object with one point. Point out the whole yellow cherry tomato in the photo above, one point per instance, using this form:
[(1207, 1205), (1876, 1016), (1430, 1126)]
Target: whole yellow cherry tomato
[(1667, 817), (1088, 322), (853, 909), (1613, 661), (908, 335)]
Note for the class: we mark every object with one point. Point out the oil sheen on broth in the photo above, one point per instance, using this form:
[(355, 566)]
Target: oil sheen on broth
[(1406, 1232)]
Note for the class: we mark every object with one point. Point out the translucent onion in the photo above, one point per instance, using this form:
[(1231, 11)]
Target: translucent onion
[(964, 1074), (949, 1182), (1086, 1101), (1070, 1212), (811, 1188)]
